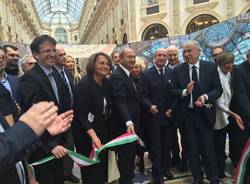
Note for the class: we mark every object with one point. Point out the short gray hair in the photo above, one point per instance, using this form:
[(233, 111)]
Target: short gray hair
[(194, 43)]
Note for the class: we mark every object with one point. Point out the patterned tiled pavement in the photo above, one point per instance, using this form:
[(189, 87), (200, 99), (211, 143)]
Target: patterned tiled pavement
[(180, 178)]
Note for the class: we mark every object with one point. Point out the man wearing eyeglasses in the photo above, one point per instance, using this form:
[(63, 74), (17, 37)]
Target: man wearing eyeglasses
[(41, 84), (28, 63)]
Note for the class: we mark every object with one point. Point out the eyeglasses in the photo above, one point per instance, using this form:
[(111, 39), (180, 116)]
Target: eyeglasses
[(48, 51)]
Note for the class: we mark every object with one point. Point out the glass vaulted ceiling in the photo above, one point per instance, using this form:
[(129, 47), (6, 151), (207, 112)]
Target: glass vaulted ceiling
[(65, 12)]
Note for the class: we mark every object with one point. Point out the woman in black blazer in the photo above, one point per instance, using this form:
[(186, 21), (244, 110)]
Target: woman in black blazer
[(92, 109)]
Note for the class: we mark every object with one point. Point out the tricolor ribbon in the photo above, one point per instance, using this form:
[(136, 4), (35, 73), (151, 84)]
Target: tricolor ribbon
[(242, 166), (82, 160)]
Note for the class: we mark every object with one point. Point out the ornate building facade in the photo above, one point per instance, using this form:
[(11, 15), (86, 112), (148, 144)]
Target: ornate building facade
[(111, 21), (18, 21), (122, 21)]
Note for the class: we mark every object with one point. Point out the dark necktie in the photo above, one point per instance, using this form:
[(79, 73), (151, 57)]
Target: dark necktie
[(161, 73), (68, 86), (63, 76), (132, 80), (196, 90), (54, 86)]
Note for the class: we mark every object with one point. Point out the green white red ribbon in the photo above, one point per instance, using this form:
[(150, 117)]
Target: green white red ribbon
[(94, 156), (242, 166)]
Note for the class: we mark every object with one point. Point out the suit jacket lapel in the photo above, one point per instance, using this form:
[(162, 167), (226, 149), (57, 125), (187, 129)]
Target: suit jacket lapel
[(12, 86), (186, 78), (46, 83), (128, 81), (202, 76), (70, 78), (156, 73)]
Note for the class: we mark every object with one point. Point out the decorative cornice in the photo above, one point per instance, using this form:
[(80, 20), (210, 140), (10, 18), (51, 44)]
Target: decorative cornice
[(202, 6), (152, 17)]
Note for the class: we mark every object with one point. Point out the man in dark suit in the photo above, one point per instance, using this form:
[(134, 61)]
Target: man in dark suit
[(10, 90), (115, 56), (42, 84), (155, 97), (176, 160), (66, 91), (240, 104), (125, 112), (197, 85), (12, 57)]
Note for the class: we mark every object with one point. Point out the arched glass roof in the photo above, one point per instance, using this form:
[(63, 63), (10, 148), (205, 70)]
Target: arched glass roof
[(65, 12)]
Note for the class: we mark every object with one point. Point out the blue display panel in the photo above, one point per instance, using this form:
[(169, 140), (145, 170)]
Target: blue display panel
[(232, 34)]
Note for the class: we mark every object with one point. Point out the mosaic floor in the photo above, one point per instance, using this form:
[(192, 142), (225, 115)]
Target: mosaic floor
[(179, 178)]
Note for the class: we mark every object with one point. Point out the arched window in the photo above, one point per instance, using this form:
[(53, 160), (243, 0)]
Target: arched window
[(154, 31), (201, 22), (61, 35)]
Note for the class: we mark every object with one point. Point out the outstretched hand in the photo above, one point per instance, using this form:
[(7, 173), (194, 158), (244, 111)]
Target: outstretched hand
[(39, 116), (61, 123)]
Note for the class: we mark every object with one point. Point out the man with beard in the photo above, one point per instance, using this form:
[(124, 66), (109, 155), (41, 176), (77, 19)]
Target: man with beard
[(9, 91), (12, 56)]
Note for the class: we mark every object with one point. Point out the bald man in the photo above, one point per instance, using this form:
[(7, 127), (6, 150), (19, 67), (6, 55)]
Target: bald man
[(172, 56), (156, 99), (65, 88), (125, 112), (180, 163)]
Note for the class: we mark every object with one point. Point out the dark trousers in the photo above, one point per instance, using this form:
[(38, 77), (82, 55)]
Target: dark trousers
[(238, 139), (50, 172), (160, 143), (200, 138), (220, 144), (68, 162), (126, 158), (97, 173)]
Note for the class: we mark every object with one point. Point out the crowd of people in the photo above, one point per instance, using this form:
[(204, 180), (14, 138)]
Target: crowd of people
[(200, 102)]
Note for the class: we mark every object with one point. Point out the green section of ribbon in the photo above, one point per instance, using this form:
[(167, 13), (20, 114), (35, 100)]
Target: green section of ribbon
[(85, 161)]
